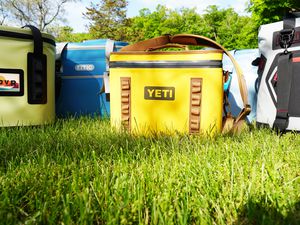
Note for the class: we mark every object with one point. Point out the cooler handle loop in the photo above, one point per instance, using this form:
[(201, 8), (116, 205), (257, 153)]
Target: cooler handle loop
[(36, 69)]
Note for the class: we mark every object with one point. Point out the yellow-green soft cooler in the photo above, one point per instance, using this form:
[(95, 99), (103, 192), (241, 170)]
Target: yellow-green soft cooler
[(27, 63), (167, 91)]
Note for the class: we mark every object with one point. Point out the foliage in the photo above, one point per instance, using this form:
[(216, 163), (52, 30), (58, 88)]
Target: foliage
[(108, 19), (229, 29), (223, 25), (163, 21), (3, 12), (82, 172), (267, 11), (40, 13), (65, 34)]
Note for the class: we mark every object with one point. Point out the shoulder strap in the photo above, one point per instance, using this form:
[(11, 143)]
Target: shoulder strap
[(59, 49), (284, 83), (189, 39), (109, 48), (289, 23), (287, 33)]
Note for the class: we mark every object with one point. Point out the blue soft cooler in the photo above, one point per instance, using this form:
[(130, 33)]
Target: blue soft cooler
[(244, 58), (81, 79)]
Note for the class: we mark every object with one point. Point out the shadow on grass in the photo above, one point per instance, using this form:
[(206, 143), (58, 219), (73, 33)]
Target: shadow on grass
[(261, 213)]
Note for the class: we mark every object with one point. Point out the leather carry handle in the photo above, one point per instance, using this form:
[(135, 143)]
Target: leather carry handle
[(147, 44), (167, 46), (197, 40)]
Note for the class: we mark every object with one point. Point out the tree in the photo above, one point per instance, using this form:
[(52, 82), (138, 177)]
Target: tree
[(148, 25), (65, 34), (3, 13), (222, 25), (40, 13), (108, 19), (229, 29), (163, 21), (268, 11)]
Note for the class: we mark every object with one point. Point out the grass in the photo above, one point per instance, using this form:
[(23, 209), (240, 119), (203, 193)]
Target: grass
[(81, 172)]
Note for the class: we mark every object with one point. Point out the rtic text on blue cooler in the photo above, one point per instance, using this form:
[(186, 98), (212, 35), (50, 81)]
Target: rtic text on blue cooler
[(159, 93)]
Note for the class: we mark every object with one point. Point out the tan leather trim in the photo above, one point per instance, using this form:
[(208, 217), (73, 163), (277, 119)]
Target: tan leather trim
[(195, 105), (126, 103)]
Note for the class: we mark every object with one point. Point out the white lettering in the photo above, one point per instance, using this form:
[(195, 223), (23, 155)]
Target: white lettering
[(84, 67)]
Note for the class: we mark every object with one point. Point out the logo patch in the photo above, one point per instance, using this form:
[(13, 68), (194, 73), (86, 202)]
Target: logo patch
[(11, 82), (84, 67), (159, 93)]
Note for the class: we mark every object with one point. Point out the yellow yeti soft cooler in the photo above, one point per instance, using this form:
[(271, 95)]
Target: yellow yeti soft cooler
[(27, 63), (153, 91)]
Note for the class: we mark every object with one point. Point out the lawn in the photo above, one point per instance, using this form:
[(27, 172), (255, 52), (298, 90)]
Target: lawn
[(79, 171)]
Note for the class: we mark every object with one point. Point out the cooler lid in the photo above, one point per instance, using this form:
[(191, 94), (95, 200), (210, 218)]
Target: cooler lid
[(24, 33)]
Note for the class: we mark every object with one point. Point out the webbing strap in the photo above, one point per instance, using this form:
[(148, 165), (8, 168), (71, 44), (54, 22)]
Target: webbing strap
[(289, 23), (37, 40), (204, 41), (189, 39), (109, 48), (285, 76), (287, 33), (37, 70), (59, 50), (284, 83), (58, 67)]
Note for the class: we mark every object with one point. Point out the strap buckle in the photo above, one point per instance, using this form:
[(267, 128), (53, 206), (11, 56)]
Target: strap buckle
[(247, 110), (244, 113), (286, 38), (281, 123)]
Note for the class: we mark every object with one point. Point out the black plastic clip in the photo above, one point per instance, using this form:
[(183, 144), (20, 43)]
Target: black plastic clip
[(286, 38), (280, 124)]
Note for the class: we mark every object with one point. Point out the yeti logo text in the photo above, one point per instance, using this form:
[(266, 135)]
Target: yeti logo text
[(159, 93), (84, 67)]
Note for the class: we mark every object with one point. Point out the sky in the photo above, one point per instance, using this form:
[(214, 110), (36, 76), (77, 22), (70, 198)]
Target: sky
[(75, 18)]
